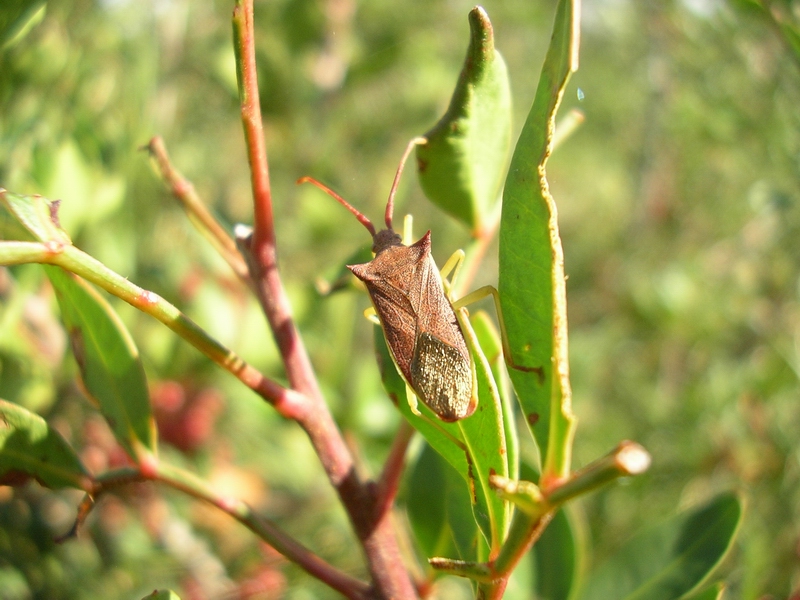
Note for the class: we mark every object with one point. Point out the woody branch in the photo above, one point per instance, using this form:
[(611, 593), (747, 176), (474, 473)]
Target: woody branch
[(372, 527)]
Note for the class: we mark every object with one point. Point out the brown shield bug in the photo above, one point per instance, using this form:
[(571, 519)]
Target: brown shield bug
[(418, 320)]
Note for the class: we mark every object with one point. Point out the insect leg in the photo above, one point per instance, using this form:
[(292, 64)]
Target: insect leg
[(411, 398), (408, 226), (480, 294), (371, 316), (453, 264)]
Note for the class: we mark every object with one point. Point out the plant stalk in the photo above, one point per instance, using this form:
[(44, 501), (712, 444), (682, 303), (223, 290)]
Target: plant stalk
[(373, 527)]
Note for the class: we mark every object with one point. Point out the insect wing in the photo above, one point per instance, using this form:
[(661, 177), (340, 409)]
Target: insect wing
[(435, 314), (386, 278), (441, 368)]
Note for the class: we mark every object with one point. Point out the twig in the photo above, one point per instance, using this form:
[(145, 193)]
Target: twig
[(244, 47), (206, 224), (267, 530), (393, 467), (287, 402)]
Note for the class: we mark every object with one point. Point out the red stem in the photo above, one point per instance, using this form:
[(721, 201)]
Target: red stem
[(393, 468), (263, 226), (373, 528)]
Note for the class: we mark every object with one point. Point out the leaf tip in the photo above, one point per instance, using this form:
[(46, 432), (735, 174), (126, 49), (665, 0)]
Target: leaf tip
[(481, 35)]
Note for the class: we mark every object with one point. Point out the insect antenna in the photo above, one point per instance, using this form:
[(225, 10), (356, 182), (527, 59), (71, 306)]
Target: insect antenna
[(390, 203), (362, 218)]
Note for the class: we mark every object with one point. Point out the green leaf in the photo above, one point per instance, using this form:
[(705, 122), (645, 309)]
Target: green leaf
[(29, 446), (670, 559), (489, 341), (462, 165), (713, 592), (484, 434), (109, 362), (37, 214), (16, 18), (531, 281), (438, 435), (440, 510)]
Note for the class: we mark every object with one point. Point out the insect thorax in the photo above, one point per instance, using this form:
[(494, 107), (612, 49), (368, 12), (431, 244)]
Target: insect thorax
[(385, 239)]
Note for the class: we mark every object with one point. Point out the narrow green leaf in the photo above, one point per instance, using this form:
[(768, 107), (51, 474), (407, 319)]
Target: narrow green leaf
[(670, 559), (37, 214), (29, 446), (461, 166), (489, 340), (531, 281), (484, 434), (440, 509), (109, 362)]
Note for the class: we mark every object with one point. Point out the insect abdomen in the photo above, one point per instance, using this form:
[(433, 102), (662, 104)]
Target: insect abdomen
[(442, 378)]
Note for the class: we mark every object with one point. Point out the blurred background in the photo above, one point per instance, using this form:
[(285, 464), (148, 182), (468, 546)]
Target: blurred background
[(679, 210)]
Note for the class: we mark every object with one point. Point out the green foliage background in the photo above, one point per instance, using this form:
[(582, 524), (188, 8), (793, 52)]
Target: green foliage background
[(679, 211)]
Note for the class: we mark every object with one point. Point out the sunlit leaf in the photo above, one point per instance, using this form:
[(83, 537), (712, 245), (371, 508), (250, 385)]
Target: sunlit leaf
[(16, 16), (462, 165), (489, 340), (438, 434), (713, 592), (531, 279), (482, 435)]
